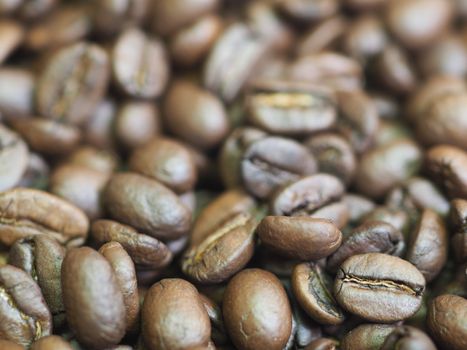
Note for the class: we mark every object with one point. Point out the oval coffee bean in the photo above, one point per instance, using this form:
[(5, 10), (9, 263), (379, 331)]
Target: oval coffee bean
[(174, 317), (52, 342), (25, 212), (13, 158), (407, 337), (446, 321), (256, 311), (300, 237), (23, 311), (145, 251), (223, 252), (379, 287), (9, 345), (367, 337), (146, 205), (323, 344), (96, 314), (313, 290)]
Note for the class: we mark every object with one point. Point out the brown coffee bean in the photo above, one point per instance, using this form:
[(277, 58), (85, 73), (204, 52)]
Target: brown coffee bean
[(223, 252), (94, 159), (145, 251), (139, 64), (358, 206), (396, 217), (174, 317), (73, 82), (322, 36), (201, 120), (16, 91), (447, 165), (446, 321), (367, 337), (26, 212), (428, 248), (98, 131), (167, 161), (370, 237), (23, 311), (287, 108), (52, 342), (96, 314), (271, 162), (407, 337), (41, 257), (9, 345), (11, 36), (379, 287), (146, 205), (323, 344), (36, 174), (457, 219), (303, 10), (124, 270), (14, 156), (218, 332), (255, 306), (300, 237), (313, 290)]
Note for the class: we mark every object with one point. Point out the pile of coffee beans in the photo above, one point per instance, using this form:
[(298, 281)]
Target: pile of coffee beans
[(233, 174)]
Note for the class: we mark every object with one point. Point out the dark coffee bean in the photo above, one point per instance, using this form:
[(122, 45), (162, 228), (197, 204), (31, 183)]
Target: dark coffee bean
[(367, 337), (146, 205), (52, 342), (300, 237), (145, 251), (379, 287), (16, 91), (288, 108), (26, 212), (406, 338), (271, 162), (174, 317), (446, 321), (322, 36), (370, 237), (313, 290), (14, 156), (308, 11), (91, 310), (200, 120), (11, 36), (124, 270), (447, 166), (139, 64), (223, 252), (334, 155), (72, 83), (167, 161), (428, 247), (255, 306), (24, 313), (323, 344), (41, 257)]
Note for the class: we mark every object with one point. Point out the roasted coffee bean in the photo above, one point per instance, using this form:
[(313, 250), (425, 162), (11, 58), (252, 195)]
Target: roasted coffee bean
[(407, 337), (36, 174), (26, 212), (167, 161), (52, 342), (323, 344), (271, 162), (73, 82), (288, 108), (370, 237), (225, 251), (147, 205), (458, 221), (41, 257), (255, 306), (379, 287), (9, 345), (299, 237), (95, 159), (306, 329), (447, 165), (174, 317), (146, 251), (396, 217), (303, 10), (96, 314), (428, 247), (124, 270), (358, 206), (313, 290), (16, 91), (218, 332), (98, 131), (14, 156), (33, 9), (23, 311), (139, 64), (446, 321), (201, 120), (11, 36), (367, 337), (322, 36)]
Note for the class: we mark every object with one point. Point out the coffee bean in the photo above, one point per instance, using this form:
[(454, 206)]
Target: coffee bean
[(27, 212), (458, 220), (174, 317), (147, 205), (91, 310), (300, 237), (396, 217), (72, 83), (218, 332), (302, 10), (98, 131), (367, 336), (446, 321), (408, 337), (322, 36), (379, 287), (16, 91), (145, 251), (9, 345), (95, 159), (52, 342), (36, 174), (13, 158), (286, 108), (223, 252), (24, 313), (255, 306), (313, 290), (323, 344), (358, 206)]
